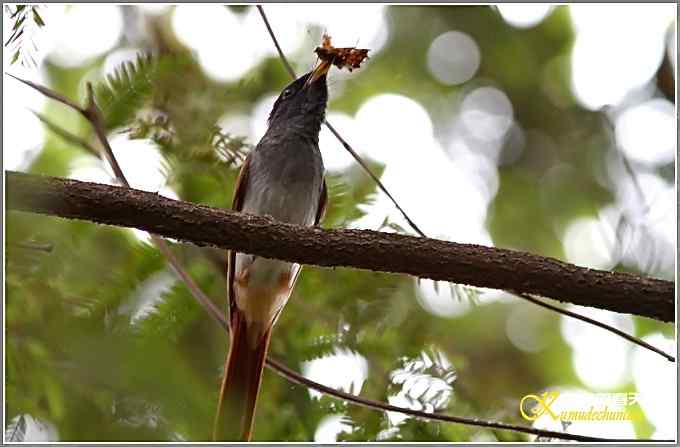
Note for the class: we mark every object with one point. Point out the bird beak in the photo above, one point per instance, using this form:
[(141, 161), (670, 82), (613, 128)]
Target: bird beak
[(319, 71)]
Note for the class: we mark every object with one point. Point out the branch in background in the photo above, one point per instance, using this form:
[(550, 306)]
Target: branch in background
[(342, 141), (357, 400), (284, 60), (364, 249), (68, 136), (606, 327)]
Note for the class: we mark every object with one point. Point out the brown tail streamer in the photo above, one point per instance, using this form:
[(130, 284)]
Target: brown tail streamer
[(242, 378)]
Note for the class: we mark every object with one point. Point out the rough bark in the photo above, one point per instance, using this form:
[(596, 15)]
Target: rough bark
[(364, 249)]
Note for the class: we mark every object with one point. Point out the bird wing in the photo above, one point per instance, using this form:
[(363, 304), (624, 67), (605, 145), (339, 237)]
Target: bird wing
[(237, 205), (323, 203)]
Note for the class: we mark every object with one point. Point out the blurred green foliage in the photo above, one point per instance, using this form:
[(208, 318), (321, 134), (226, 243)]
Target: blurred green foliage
[(76, 358)]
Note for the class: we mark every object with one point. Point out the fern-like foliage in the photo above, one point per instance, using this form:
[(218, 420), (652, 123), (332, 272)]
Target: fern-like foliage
[(229, 148), (126, 89), (221, 148), (153, 125), (214, 158), (26, 20)]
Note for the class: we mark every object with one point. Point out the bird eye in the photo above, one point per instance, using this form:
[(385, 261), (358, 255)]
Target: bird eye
[(286, 93)]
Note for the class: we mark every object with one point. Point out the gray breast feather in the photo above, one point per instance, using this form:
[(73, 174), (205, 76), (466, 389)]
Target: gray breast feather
[(285, 183)]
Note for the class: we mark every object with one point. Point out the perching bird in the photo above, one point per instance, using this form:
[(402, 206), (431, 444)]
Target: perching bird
[(283, 177)]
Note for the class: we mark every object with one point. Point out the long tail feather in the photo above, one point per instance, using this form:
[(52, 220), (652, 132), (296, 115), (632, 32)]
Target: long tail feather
[(242, 378)]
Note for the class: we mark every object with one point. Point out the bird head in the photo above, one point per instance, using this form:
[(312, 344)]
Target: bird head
[(303, 102)]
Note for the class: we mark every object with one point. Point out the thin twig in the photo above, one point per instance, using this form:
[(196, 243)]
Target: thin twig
[(289, 68), (68, 136), (94, 115), (604, 326), (368, 403), (342, 141), (50, 93)]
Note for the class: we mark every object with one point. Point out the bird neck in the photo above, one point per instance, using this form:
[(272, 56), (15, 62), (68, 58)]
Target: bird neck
[(305, 127)]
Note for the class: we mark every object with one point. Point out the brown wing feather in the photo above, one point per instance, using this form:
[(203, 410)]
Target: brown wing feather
[(237, 205), (239, 189), (323, 203)]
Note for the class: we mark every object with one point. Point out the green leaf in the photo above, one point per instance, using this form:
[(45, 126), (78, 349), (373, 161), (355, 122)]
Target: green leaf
[(18, 10), (124, 92), (36, 17)]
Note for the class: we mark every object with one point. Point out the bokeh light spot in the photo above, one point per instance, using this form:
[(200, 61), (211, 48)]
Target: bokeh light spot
[(487, 113), (453, 58), (21, 141), (393, 128), (86, 31), (612, 57), (524, 15), (335, 157), (655, 380), (525, 329), (441, 300), (114, 60), (599, 357), (589, 243), (646, 132), (330, 427), (218, 41), (342, 369), (141, 162), (260, 115)]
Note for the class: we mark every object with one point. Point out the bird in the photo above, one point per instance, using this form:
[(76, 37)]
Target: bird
[(282, 177)]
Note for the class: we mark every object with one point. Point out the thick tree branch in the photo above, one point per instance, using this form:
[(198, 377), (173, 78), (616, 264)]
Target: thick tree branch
[(370, 250)]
